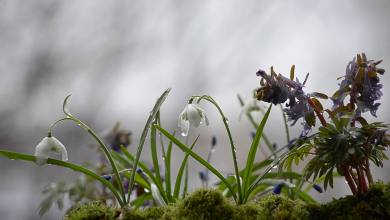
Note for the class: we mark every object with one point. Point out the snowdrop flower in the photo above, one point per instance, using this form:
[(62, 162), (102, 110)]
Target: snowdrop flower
[(192, 115), (48, 144)]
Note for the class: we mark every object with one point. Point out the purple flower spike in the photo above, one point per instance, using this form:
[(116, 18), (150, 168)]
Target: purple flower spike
[(278, 188)]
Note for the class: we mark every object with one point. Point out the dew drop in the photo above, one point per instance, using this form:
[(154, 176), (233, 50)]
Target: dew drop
[(227, 120), (183, 134), (146, 190), (12, 159), (212, 150), (275, 167), (163, 158), (79, 124), (235, 150), (346, 182)]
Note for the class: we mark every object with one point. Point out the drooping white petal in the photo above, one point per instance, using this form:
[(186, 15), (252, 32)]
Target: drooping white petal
[(185, 127), (47, 145), (42, 152), (194, 115), (206, 119), (181, 116)]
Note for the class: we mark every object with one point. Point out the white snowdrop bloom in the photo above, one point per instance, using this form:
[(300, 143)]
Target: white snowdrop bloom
[(192, 115), (47, 145)]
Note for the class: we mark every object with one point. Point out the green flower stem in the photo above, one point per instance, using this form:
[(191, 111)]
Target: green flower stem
[(120, 186), (225, 122)]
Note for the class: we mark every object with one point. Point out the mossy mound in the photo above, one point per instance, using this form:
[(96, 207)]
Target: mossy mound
[(95, 210), (211, 204)]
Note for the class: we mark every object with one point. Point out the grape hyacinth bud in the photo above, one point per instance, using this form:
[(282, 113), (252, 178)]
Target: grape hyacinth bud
[(107, 177), (278, 188)]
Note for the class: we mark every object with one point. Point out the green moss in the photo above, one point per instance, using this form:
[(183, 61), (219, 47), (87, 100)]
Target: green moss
[(373, 205), (211, 204), (149, 213), (203, 203), (96, 210)]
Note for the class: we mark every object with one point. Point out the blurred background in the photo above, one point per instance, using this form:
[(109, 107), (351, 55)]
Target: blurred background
[(117, 57)]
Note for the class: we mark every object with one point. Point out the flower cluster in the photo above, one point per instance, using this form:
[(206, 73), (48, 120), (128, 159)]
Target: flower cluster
[(361, 83), (277, 89), (340, 144)]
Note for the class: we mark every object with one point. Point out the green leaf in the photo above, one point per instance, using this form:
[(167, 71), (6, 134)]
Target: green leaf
[(153, 148), (260, 177), (144, 134), (305, 197), (145, 169), (252, 152), (319, 95), (139, 201), (196, 157), (157, 195), (65, 108), (168, 186), (274, 182), (318, 104), (292, 72), (310, 118), (180, 173), (31, 158), (307, 76)]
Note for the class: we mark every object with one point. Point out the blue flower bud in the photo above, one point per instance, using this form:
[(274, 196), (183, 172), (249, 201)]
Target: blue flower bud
[(317, 188), (139, 170), (202, 175), (213, 141), (253, 134), (278, 188), (107, 177)]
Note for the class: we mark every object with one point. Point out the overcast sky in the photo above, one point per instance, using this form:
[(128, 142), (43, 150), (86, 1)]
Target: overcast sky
[(117, 57)]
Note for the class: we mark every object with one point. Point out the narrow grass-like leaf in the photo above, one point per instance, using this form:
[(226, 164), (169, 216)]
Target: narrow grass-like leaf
[(196, 157), (260, 177), (180, 173), (31, 158), (144, 134), (145, 169), (139, 201), (153, 148), (185, 183), (167, 166), (252, 153), (168, 187)]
